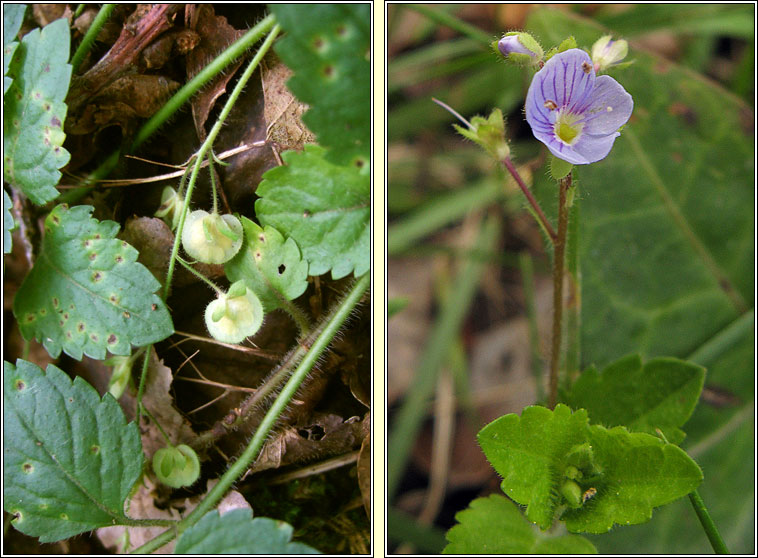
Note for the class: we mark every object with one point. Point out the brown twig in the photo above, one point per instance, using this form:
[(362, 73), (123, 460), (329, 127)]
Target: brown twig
[(144, 25)]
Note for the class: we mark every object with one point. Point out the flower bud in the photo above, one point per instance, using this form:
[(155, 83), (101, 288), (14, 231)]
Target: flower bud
[(171, 208), (572, 473), (122, 373), (606, 52), (572, 494), (520, 48), (580, 456), (489, 133)]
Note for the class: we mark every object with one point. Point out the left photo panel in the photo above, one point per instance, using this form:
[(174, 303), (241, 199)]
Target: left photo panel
[(187, 273)]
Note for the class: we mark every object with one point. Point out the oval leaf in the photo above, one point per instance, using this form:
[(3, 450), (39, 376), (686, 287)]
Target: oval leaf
[(87, 293), (70, 457), (34, 112), (236, 532), (269, 265)]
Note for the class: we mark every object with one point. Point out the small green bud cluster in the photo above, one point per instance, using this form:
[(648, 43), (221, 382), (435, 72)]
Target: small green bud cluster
[(580, 476)]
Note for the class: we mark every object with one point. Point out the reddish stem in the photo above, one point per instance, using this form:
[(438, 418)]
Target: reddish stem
[(559, 249), (532, 201)]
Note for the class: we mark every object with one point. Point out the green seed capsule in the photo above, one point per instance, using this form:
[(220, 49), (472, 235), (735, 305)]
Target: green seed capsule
[(176, 466)]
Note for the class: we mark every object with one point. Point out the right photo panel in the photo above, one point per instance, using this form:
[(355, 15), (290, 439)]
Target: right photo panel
[(570, 279)]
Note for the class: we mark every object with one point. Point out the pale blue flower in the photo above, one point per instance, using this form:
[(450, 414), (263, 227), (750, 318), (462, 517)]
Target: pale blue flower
[(574, 113)]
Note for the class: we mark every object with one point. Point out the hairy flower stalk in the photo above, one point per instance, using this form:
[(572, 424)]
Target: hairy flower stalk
[(577, 115)]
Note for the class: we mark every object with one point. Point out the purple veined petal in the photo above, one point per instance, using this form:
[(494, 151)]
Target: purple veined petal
[(558, 148), (563, 80), (594, 148), (609, 108), (567, 153)]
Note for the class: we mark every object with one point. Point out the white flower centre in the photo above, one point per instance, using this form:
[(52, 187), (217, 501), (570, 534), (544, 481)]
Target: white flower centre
[(568, 127)]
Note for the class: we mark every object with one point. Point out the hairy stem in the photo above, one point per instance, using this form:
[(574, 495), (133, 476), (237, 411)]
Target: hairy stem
[(200, 156), (208, 144), (558, 259), (256, 443), (89, 38), (270, 385), (206, 74)]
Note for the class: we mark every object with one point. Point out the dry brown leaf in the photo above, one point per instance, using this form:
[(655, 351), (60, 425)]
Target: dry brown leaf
[(214, 35), (158, 400), (142, 506), (45, 14), (282, 111), (325, 435), (364, 473)]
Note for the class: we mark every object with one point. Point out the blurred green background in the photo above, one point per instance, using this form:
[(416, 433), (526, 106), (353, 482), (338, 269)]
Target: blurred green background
[(665, 229)]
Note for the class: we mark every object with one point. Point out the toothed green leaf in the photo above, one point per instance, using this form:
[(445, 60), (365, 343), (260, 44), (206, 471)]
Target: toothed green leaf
[(327, 46), (639, 472), (70, 457), (34, 112), (661, 394), (495, 525), (527, 452), (13, 17), (623, 475), (236, 532), (324, 207), (269, 265), (87, 293)]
